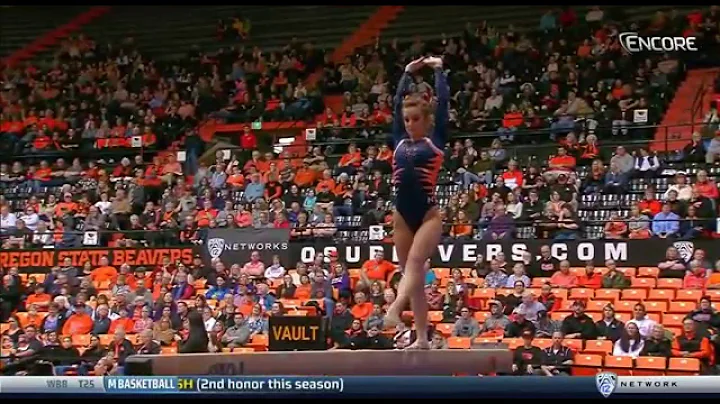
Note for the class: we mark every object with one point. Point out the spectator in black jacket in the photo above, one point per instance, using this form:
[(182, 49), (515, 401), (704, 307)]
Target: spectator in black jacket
[(527, 358), (657, 343), (706, 317), (147, 345), (10, 293), (120, 347), (557, 358), (355, 337), (579, 324), (519, 325), (376, 339), (609, 327), (197, 341)]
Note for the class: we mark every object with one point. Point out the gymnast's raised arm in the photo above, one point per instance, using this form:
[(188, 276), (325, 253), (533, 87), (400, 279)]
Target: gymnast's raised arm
[(403, 89), (442, 91)]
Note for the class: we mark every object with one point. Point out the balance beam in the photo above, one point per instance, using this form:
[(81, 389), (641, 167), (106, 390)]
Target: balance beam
[(326, 363)]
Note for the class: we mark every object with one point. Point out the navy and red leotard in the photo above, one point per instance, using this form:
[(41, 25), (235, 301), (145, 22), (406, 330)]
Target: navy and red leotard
[(417, 163)]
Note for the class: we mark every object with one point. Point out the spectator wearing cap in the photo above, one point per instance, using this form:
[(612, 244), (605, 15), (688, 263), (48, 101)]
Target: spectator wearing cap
[(707, 318), (683, 189), (579, 324), (466, 325), (122, 321), (497, 320), (518, 325), (527, 358), (666, 224), (609, 327), (79, 322)]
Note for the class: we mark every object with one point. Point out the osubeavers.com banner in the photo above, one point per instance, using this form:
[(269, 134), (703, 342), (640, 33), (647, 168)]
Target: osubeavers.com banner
[(235, 247)]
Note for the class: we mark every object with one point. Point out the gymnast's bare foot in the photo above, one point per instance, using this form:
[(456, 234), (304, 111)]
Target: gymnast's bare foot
[(390, 321), (418, 346)]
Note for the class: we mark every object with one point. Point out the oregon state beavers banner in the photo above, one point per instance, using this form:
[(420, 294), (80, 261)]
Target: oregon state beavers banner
[(43, 260), (234, 246), (464, 253)]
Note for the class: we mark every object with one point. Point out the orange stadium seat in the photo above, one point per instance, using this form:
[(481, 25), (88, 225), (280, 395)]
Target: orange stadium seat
[(581, 294), (597, 305), (595, 315), (458, 343), (624, 317), (542, 343), (598, 346), (689, 295), (681, 307), (466, 271), (669, 283), (538, 282), (567, 305), (484, 293), (559, 315), (441, 273), (576, 344), (587, 365), (683, 367), (169, 350), (661, 294), (643, 283), (650, 366), (634, 294), (79, 340), (656, 307), (628, 271), (621, 365), (105, 339), (714, 294), (560, 293), (648, 272), (444, 328), (672, 320), (513, 343), (481, 316), (612, 295), (435, 316), (625, 306), (577, 271)]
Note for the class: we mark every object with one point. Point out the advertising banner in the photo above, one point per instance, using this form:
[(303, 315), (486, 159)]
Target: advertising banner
[(290, 333), (464, 253), (43, 260), (234, 246)]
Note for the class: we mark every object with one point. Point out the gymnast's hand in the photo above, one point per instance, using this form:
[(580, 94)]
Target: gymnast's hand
[(415, 65), (434, 62)]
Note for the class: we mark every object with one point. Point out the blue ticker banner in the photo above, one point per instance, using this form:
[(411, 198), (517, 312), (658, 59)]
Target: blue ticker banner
[(363, 386)]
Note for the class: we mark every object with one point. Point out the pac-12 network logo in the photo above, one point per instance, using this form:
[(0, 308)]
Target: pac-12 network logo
[(634, 43), (606, 383), (215, 247)]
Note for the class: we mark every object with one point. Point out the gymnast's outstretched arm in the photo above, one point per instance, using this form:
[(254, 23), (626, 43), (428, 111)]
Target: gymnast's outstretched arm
[(442, 92)]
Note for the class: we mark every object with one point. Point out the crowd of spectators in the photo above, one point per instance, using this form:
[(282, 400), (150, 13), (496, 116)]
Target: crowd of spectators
[(582, 88)]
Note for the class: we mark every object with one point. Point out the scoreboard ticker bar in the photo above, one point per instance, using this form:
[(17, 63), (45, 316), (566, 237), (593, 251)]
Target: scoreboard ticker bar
[(363, 386)]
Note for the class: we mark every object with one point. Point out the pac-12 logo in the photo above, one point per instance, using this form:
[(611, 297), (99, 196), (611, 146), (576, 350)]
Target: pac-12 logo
[(215, 247), (606, 383), (634, 43)]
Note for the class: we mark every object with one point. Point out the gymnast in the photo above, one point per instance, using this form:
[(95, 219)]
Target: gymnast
[(419, 135)]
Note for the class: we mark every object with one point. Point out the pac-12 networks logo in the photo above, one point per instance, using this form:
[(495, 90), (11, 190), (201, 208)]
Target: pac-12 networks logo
[(634, 43)]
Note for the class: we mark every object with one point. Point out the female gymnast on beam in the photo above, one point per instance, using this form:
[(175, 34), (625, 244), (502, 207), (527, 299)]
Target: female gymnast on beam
[(419, 139)]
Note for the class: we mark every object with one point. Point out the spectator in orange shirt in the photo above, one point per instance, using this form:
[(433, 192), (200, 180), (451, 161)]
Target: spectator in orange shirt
[(512, 120), (123, 321), (236, 179), (562, 163), (705, 186), (695, 278), (563, 278), (79, 323), (327, 183), (615, 228), (591, 278), (362, 308), (39, 299), (104, 273), (305, 176), (206, 215), (350, 161), (376, 269), (692, 345)]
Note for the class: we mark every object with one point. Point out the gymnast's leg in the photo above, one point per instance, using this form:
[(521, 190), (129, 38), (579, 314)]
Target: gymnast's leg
[(403, 239), (424, 245)]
